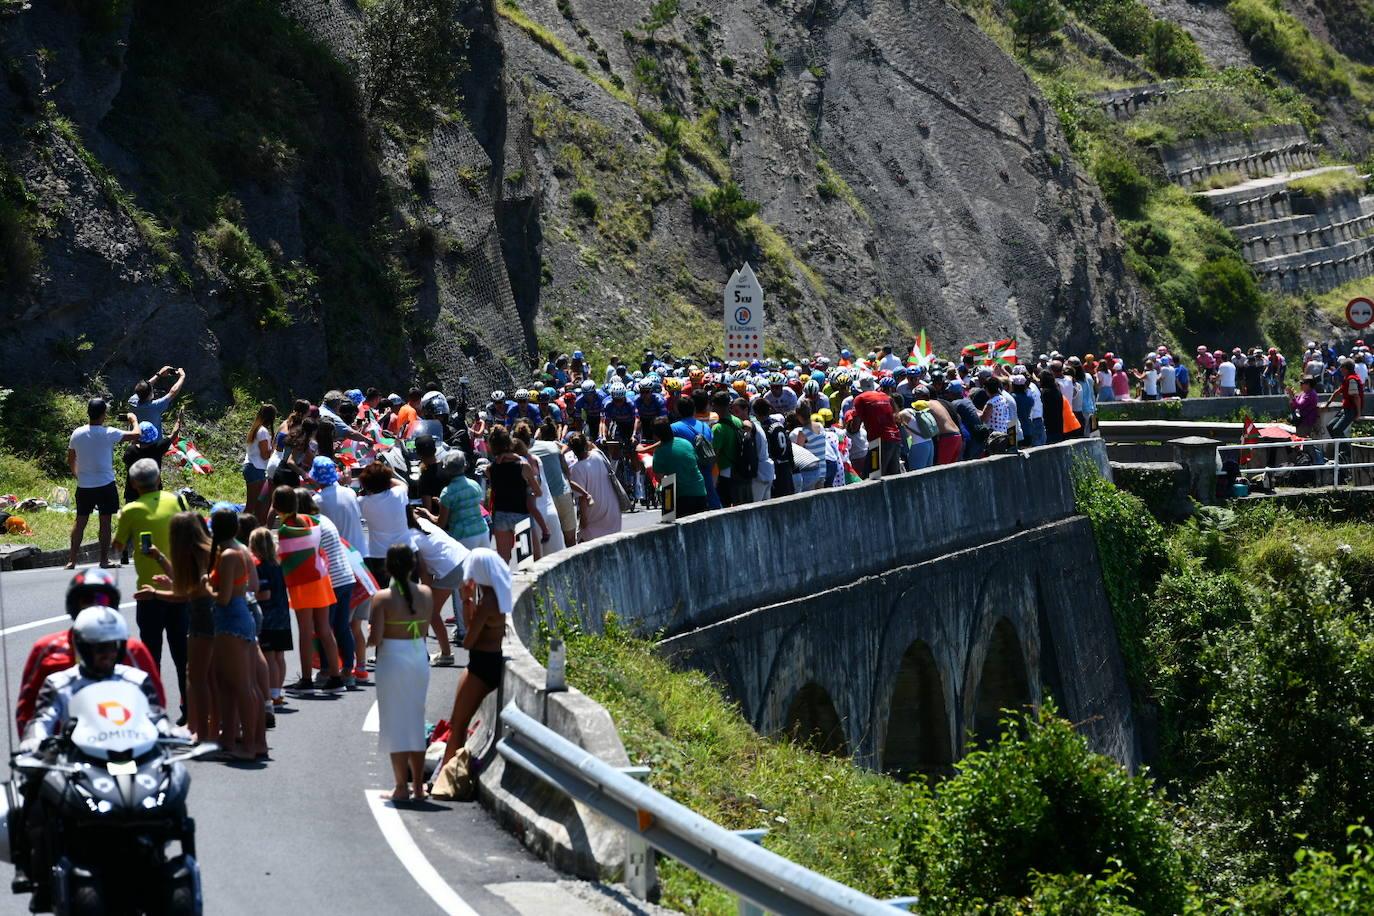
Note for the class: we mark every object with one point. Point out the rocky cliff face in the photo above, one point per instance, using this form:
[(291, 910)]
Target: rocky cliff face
[(237, 215)]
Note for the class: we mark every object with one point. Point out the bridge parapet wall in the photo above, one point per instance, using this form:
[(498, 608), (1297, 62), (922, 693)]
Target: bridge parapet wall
[(675, 578)]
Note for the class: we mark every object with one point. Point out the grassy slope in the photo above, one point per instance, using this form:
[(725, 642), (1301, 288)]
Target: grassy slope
[(821, 812)]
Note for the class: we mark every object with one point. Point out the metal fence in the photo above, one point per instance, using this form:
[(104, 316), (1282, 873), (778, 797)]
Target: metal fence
[(653, 823), (1315, 459)]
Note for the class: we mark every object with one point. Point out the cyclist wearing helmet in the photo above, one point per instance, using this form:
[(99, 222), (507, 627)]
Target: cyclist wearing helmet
[(649, 406), (548, 407), (812, 392), (53, 653), (783, 400), (522, 409), (588, 406)]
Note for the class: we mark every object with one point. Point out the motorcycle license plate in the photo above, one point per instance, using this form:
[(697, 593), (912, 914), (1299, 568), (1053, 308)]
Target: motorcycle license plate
[(125, 768)]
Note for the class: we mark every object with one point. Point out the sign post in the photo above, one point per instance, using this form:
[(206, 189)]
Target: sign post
[(667, 498), (1359, 312), (524, 545), (743, 315)]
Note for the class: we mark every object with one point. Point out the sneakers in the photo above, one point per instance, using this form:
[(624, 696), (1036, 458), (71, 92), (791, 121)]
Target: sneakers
[(279, 701), (441, 661), (304, 684), (321, 678), (334, 684), (360, 676), (271, 718), (350, 682)]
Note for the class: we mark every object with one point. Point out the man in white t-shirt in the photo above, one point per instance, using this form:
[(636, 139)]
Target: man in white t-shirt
[(1226, 378), (889, 362), (90, 455)]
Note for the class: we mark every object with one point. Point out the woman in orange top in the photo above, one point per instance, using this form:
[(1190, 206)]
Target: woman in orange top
[(307, 582)]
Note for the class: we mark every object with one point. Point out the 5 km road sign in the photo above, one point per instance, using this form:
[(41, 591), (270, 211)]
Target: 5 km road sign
[(1359, 313), (743, 316)]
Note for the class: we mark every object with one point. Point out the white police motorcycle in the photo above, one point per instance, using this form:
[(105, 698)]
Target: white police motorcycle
[(110, 811)]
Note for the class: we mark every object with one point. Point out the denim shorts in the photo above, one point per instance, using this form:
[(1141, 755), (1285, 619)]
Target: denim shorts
[(234, 619), (506, 521), (253, 474)]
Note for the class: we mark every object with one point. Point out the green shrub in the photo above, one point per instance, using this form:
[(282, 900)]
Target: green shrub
[(1034, 21), (584, 202), (412, 53), (725, 205), (1324, 885), (1125, 23), (1227, 292), (1039, 801), (247, 270), (1125, 188), (19, 252), (1171, 52), (1279, 39)]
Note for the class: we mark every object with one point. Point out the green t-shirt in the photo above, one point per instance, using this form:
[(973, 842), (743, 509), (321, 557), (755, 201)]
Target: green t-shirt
[(725, 440), (678, 457), (150, 512)]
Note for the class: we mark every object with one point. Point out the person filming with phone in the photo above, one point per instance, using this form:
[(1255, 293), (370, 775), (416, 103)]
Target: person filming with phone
[(143, 526)]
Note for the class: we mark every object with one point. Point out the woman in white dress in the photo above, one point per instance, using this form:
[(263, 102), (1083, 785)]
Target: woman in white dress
[(600, 509), (400, 616)]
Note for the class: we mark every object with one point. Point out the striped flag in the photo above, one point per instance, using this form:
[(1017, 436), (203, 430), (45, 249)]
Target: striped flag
[(921, 351), (190, 456), (1001, 352), (364, 583), (298, 548)]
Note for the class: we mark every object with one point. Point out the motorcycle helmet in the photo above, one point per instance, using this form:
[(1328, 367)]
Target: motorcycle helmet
[(96, 628), (91, 588)]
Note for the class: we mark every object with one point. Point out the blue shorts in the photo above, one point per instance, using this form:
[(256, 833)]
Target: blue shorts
[(235, 619), (253, 474)]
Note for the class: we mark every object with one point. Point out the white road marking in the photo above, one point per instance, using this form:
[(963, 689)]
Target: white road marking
[(394, 830), (46, 621), (20, 627), (373, 721)]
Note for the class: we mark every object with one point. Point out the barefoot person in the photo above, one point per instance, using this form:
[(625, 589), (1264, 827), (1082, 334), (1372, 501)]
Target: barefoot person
[(90, 455), (400, 616), (486, 593)]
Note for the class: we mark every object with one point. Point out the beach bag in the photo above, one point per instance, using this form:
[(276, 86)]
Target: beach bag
[(454, 780), (925, 424), (623, 498)]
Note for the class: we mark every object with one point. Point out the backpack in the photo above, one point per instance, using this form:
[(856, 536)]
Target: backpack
[(746, 465), (925, 424), (705, 449)]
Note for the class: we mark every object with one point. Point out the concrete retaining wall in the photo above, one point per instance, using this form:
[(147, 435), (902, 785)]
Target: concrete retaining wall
[(1260, 407)]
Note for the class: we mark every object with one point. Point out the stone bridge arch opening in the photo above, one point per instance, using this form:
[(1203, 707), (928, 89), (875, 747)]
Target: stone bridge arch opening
[(1002, 684), (917, 741), (812, 720)]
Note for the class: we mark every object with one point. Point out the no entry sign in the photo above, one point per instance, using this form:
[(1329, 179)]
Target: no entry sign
[(1359, 312)]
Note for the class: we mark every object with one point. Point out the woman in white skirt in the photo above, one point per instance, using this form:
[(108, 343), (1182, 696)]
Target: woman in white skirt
[(400, 616)]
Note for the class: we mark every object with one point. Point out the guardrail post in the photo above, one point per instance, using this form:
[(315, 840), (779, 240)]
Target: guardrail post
[(1198, 456), (756, 837), (641, 870)]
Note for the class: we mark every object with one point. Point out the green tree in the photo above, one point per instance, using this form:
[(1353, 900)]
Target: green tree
[(1171, 52), (1227, 291), (660, 15), (1039, 802), (413, 51), (1033, 21)]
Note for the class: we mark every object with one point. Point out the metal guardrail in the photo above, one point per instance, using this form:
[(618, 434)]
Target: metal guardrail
[(652, 822), (1332, 467)]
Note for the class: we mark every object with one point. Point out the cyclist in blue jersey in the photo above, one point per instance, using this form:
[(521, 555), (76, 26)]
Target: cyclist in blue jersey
[(588, 407), (649, 406), (522, 409), (549, 407)]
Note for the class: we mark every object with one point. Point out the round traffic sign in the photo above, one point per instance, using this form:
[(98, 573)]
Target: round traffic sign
[(1359, 312)]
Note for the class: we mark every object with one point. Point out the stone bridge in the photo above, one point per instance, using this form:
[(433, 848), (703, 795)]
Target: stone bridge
[(890, 621)]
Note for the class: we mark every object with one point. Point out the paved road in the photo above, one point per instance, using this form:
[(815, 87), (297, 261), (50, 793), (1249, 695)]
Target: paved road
[(300, 833)]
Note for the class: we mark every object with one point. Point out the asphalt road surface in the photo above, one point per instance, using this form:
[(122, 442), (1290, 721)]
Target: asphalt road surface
[(306, 832)]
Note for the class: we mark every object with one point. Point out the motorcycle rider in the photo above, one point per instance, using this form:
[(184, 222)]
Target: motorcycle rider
[(100, 637), (53, 653)]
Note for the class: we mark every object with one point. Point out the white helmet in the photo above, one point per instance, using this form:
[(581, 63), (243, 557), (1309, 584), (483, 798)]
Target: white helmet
[(97, 625)]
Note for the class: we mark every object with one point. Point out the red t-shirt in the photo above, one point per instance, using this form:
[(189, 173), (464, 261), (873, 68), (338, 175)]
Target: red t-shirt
[(1352, 392), (878, 416), (53, 653)]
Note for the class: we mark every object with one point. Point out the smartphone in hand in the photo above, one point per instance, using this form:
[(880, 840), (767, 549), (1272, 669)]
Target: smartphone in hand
[(146, 542)]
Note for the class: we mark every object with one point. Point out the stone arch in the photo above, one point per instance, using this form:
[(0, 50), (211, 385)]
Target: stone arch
[(917, 740), (812, 720), (1003, 682)]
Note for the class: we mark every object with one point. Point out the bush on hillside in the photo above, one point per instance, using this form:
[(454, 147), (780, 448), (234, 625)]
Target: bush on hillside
[(1125, 188), (1227, 292), (1171, 52), (19, 252), (413, 52), (725, 205), (1039, 802), (1125, 23)]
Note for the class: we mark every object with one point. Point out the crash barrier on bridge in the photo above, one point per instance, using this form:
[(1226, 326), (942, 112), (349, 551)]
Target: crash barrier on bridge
[(1316, 462), (711, 566), (651, 822)]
